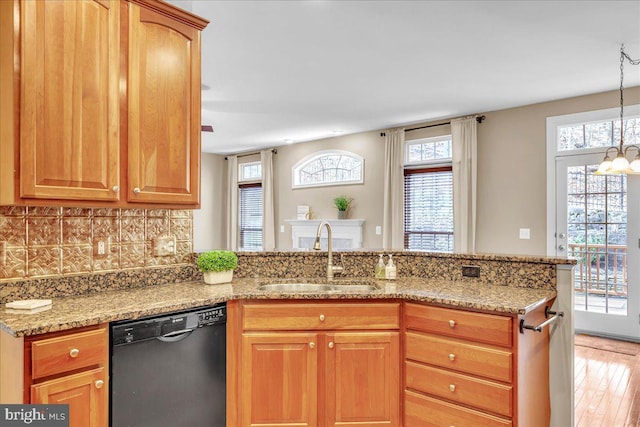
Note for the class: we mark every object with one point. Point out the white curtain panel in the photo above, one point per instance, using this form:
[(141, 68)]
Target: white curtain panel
[(393, 216), (465, 143), (232, 203), (268, 213)]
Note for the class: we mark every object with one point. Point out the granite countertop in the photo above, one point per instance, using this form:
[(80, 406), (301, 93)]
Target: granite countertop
[(109, 306)]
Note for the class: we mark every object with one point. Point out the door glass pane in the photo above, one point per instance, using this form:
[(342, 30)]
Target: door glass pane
[(596, 237)]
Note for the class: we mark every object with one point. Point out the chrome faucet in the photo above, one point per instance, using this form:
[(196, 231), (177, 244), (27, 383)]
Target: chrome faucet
[(331, 269)]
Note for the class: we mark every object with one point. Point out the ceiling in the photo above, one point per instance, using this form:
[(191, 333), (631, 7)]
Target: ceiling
[(277, 72)]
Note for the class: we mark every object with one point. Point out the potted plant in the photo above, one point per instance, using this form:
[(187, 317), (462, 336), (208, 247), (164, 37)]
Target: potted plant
[(217, 266), (342, 203)]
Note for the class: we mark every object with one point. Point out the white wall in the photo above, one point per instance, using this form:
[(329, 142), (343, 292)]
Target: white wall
[(209, 221)]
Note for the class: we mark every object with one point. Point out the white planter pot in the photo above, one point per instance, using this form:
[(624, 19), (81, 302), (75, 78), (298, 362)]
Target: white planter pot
[(217, 277)]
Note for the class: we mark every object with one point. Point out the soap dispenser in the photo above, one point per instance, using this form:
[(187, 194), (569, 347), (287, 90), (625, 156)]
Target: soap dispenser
[(380, 268), (390, 270)]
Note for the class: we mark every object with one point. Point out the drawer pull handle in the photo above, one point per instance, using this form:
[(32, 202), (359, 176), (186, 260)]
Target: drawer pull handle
[(99, 383), (136, 190), (116, 189), (452, 388), (74, 352), (322, 317), (452, 357), (331, 344), (312, 344), (452, 323)]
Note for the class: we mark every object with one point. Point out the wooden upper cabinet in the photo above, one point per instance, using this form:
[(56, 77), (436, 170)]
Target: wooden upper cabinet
[(69, 117), (100, 103), (164, 108)]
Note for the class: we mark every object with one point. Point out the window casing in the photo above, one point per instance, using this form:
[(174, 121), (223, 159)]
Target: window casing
[(250, 203), (428, 195), (250, 212), (329, 167), (598, 134), (428, 150), (251, 171)]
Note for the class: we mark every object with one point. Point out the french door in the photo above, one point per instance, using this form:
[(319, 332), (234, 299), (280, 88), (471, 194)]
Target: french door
[(598, 223)]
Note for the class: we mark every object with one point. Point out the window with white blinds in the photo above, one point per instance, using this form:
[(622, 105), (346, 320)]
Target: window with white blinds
[(250, 200), (428, 209)]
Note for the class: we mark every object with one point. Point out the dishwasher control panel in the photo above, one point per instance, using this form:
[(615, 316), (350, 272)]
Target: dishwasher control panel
[(213, 315), (127, 332)]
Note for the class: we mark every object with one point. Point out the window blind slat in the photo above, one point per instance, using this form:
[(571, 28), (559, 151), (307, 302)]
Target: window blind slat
[(250, 217), (428, 210)]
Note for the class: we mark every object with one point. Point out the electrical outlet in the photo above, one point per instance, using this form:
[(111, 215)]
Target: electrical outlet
[(164, 246), (378, 230), (525, 233), (3, 253), (470, 271), (101, 247)]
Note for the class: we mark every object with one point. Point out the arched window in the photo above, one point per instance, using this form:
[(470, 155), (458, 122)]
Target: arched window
[(329, 167)]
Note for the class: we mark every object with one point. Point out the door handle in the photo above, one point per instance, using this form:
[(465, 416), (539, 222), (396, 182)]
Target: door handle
[(561, 248)]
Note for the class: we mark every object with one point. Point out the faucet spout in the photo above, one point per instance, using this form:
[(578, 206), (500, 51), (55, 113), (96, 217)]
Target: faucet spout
[(331, 269)]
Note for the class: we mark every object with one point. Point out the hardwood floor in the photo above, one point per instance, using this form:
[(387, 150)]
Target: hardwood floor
[(607, 383)]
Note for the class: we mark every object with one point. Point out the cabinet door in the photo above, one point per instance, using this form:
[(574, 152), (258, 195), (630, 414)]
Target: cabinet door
[(164, 109), (69, 137), (85, 393), (362, 379), (279, 379)]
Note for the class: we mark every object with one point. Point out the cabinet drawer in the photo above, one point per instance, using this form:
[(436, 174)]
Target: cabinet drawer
[(424, 411), (283, 316), (482, 394), (60, 354), (481, 327), (460, 356)]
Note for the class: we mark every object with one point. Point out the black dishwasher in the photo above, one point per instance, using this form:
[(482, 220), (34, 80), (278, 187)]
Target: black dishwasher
[(169, 370)]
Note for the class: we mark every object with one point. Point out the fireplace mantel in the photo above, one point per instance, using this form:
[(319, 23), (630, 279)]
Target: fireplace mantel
[(346, 233)]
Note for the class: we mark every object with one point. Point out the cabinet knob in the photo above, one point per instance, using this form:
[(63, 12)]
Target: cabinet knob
[(136, 190), (74, 352), (452, 388), (312, 344), (322, 317), (116, 189), (331, 344), (99, 383), (452, 357), (452, 323)]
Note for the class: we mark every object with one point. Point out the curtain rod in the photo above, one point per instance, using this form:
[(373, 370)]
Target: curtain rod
[(253, 153), (479, 119)]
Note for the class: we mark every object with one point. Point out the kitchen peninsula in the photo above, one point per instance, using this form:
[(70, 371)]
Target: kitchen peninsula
[(430, 308)]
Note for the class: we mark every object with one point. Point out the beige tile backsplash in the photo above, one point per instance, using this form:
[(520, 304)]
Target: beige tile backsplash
[(50, 241)]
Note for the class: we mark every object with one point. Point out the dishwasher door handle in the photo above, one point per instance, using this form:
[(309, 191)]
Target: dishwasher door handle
[(175, 336)]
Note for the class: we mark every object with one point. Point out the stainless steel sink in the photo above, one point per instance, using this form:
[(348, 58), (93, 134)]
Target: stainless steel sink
[(316, 287), (295, 287)]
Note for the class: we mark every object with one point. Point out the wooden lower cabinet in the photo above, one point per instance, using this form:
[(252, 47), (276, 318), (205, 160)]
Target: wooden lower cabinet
[(362, 379), (85, 393), (70, 367), (458, 374), (317, 378), (279, 379), (425, 411)]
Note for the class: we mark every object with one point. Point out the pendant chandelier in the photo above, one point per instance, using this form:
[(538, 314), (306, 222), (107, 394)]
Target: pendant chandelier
[(620, 164)]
